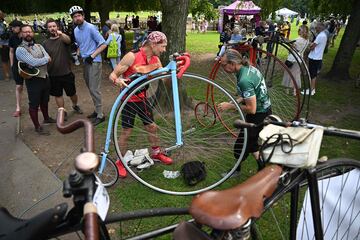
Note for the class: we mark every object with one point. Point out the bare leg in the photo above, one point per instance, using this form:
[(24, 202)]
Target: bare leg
[(6, 69), (18, 93), (152, 136), (313, 83), (59, 101), (124, 136), (74, 99)]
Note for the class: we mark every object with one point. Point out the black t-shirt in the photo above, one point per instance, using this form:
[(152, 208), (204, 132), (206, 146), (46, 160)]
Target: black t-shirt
[(14, 42)]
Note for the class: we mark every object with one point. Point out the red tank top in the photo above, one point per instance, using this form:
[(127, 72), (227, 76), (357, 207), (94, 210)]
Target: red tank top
[(140, 60)]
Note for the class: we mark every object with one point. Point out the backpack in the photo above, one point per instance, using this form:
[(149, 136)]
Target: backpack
[(113, 48), (193, 172)]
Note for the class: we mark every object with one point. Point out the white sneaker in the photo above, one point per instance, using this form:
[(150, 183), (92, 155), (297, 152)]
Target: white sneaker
[(128, 156), (147, 162), (313, 92), (139, 156), (305, 92)]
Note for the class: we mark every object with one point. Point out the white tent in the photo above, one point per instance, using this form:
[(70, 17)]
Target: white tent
[(285, 12)]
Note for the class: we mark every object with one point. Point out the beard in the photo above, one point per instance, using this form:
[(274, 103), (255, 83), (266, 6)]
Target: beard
[(53, 34), (29, 39)]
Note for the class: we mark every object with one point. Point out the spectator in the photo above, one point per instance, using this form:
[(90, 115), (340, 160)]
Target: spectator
[(123, 41), (149, 53), (260, 29), (300, 45), (236, 36), (91, 44), (193, 26), (136, 22), (60, 74), (225, 37), (316, 55), (114, 37), (106, 28), (270, 33), (255, 101), (14, 41), (332, 31), (38, 87), (4, 46), (126, 22), (289, 29)]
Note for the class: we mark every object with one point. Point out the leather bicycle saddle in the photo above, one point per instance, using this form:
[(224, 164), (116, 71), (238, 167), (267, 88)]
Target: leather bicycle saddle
[(12, 228), (231, 208)]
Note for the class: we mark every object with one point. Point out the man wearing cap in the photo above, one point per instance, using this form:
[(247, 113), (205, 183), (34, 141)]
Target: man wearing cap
[(149, 53), (38, 87), (91, 44), (14, 41)]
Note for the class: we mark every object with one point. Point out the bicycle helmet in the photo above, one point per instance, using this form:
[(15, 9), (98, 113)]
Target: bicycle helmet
[(75, 9)]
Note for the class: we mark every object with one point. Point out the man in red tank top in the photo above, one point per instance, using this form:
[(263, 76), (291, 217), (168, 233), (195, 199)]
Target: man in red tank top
[(154, 45)]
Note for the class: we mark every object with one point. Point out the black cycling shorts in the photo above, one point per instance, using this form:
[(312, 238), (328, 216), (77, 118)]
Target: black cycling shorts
[(60, 83), (18, 80), (131, 109)]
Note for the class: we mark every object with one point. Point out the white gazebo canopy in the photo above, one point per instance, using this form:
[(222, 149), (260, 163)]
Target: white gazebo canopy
[(285, 12)]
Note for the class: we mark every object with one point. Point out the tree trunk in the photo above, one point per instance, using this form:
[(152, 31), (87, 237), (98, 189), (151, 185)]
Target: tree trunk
[(174, 16), (345, 53), (87, 10), (104, 10)]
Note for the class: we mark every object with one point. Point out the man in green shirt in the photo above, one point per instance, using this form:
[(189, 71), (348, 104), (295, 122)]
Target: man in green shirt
[(254, 99)]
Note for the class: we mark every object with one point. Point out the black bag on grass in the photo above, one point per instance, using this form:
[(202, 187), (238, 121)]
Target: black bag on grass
[(193, 172)]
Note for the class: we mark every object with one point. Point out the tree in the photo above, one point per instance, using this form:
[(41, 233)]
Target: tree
[(203, 7)]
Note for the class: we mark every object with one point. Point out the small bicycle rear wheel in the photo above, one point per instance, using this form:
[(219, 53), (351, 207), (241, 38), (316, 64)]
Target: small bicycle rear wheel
[(211, 143), (110, 174)]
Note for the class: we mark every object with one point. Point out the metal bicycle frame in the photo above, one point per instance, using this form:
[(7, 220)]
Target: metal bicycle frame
[(171, 67)]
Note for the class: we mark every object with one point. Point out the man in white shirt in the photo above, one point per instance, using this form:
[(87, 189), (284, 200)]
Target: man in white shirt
[(316, 55)]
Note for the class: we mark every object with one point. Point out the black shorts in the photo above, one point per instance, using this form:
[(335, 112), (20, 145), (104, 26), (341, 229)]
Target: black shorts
[(130, 110), (18, 80), (38, 91), (252, 135), (5, 53), (314, 67), (60, 83)]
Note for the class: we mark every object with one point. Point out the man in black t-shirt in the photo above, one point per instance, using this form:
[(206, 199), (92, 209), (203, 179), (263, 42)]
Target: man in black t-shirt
[(14, 41), (60, 74)]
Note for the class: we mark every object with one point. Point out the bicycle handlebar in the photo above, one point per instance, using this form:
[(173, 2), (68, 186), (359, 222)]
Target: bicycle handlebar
[(184, 60), (328, 131), (71, 127)]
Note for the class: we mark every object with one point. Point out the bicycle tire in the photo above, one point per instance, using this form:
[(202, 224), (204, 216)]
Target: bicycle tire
[(198, 140), (276, 220), (286, 105), (110, 174)]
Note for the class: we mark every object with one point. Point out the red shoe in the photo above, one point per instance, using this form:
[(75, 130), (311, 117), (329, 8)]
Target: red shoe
[(121, 169), (162, 158), (16, 114)]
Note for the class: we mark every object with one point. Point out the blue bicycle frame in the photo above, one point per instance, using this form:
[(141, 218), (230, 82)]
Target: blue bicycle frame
[(171, 67)]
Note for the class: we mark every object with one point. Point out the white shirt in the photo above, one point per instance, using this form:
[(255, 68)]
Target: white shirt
[(300, 45), (318, 52)]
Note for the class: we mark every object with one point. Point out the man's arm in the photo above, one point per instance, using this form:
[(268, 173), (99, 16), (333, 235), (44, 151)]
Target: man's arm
[(124, 64), (98, 50), (23, 55), (250, 105), (65, 38), (11, 56), (100, 41)]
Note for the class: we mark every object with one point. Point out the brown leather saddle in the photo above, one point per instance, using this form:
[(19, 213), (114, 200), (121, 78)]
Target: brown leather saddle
[(144, 69), (231, 208)]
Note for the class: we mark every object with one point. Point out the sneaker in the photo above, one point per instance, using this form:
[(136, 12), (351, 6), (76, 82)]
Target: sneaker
[(93, 115), (305, 92), (139, 157), (42, 131), (148, 162), (16, 114), (77, 109), (97, 121), (313, 92), (128, 156), (121, 169), (162, 158), (235, 174), (49, 120)]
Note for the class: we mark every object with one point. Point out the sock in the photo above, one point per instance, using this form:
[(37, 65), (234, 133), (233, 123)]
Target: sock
[(33, 112), (155, 150), (44, 110)]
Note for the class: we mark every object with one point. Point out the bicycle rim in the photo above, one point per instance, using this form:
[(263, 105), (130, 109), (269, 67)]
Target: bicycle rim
[(157, 223), (339, 193), (110, 174), (283, 101), (212, 145)]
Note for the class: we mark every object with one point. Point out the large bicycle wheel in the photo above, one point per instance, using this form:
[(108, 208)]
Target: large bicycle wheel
[(157, 223), (110, 174), (284, 101), (211, 144), (339, 193)]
